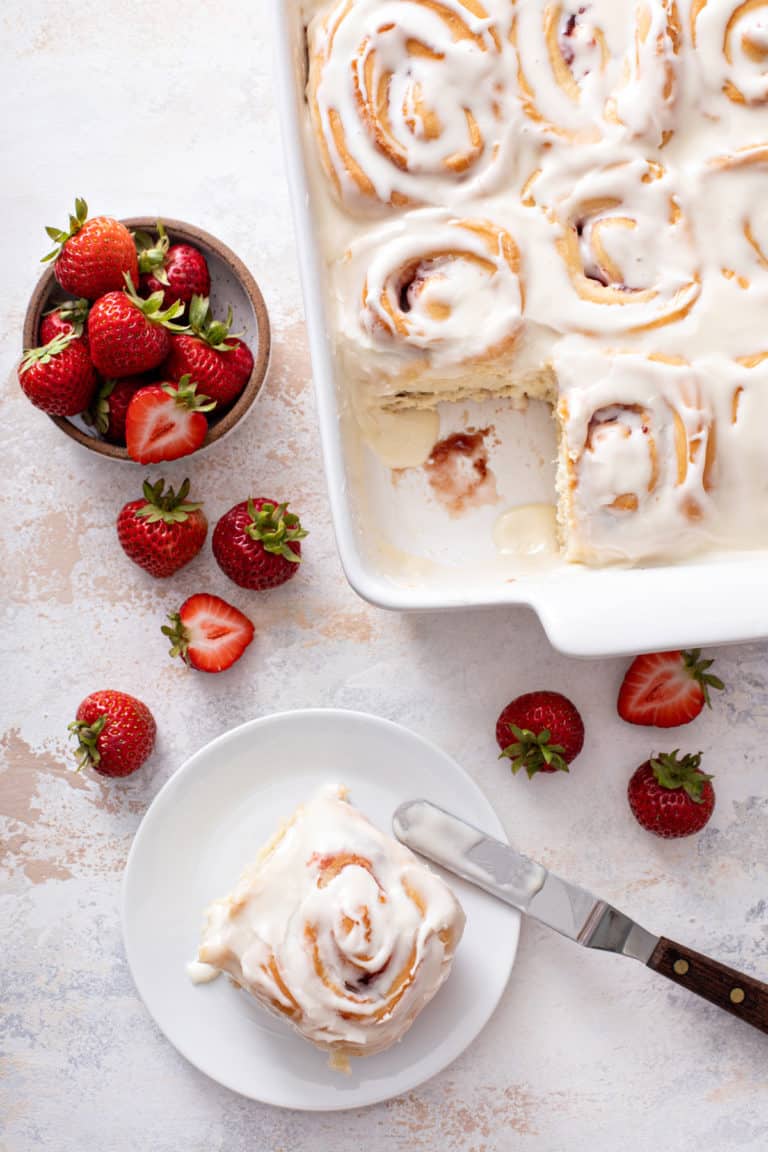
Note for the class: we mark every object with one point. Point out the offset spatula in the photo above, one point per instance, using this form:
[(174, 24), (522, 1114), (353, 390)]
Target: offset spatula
[(526, 885)]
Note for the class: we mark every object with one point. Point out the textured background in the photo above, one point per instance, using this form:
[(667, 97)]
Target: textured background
[(152, 108)]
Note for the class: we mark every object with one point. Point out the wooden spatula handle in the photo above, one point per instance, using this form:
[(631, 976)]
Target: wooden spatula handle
[(741, 995)]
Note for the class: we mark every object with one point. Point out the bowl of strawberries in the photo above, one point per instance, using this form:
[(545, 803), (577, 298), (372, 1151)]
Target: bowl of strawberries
[(145, 339)]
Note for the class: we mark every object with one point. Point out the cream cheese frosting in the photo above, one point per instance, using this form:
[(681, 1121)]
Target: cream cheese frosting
[(560, 200), (338, 928)]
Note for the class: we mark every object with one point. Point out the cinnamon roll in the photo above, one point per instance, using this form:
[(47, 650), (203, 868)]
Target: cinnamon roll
[(338, 929), (440, 307), (627, 261), (736, 233), (410, 100), (638, 456), (730, 39), (590, 69)]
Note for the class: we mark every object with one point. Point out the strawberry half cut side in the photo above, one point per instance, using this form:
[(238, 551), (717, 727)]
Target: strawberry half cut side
[(208, 633), (166, 422), (665, 689)]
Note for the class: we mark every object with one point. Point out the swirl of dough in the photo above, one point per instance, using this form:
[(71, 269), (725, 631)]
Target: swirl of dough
[(338, 928), (587, 69), (731, 42), (737, 236), (627, 261), (409, 99), (443, 289), (639, 453)]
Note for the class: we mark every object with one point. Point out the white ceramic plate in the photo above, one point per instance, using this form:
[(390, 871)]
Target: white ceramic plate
[(209, 821)]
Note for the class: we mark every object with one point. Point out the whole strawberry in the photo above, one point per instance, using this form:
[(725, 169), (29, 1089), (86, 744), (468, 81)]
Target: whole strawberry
[(220, 363), (93, 256), (129, 335), (67, 319), (166, 421), (541, 732), (115, 733), (164, 531), (256, 543), (666, 689), (671, 797), (59, 377), (109, 407), (179, 271)]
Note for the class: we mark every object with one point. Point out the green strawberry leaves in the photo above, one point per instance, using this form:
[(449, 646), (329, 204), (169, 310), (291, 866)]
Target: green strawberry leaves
[(671, 772), (533, 752), (151, 308), (60, 237), (166, 505), (275, 527), (47, 352), (698, 670)]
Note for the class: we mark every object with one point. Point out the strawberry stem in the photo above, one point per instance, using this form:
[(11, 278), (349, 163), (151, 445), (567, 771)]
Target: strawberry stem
[(74, 312), (698, 670), (150, 308), (214, 332), (87, 736), (671, 772), (168, 506), (533, 751), (178, 636), (152, 252), (97, 416), (185, 395), (45, 354), (60, 237), (276, 528)]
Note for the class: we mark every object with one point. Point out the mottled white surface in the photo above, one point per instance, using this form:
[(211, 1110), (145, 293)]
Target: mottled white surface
[(142, 108)]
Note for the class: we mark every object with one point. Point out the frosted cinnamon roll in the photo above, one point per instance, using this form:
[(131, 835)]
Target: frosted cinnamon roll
[(431, 307), (638, 455), (730, 41), (609, 66), (338, 929), (735, 228), (410, 99), (626, 256)]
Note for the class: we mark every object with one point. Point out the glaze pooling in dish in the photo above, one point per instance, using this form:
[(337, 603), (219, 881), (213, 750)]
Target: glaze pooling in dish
[(613, 257), (337, 928)]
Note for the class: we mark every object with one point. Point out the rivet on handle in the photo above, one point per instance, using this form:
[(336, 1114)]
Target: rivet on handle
[(737, 995), (680, 967)]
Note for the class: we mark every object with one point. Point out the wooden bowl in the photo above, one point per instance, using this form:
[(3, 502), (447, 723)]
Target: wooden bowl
[(232, 285)]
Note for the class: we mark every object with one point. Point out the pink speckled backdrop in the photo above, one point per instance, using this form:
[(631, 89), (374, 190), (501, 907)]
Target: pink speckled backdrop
[(587, 1052)]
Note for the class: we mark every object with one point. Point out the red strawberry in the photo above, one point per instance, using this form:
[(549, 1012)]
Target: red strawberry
[(164, 531), (65, 319), (93, 255), (166, 421), (59, 377), (220, 363), (257, 544), (208, 633), (109, 407), (129, 335), (115, 733), (666, 689), (541, 732), (671, 797), (179, 271)]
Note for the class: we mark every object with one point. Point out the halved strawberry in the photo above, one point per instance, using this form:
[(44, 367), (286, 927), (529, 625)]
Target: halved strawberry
[(666, 689), (166, 421), (207, 633)]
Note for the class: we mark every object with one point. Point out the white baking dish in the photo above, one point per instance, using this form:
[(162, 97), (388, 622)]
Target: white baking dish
[(401, 550)]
